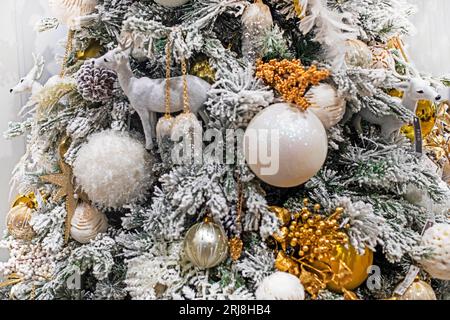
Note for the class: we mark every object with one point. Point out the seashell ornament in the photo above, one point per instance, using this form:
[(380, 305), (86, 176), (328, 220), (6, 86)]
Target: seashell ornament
[(87, 223), (326, 104), (66, 11)]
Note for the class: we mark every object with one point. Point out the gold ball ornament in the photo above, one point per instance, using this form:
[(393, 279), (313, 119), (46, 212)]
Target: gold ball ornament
[(355, 264), (92, 51), (87, 222), (206, 244), (18, 222), (427, 114), (203, 70), (419, 290), (358, 54)]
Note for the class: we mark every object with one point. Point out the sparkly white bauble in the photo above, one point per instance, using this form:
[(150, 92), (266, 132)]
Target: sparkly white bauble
[(171, 3), (112, 168), (280, 286), (295, 140), (66, 11), (87, 222), (326, 104), (437, 238)]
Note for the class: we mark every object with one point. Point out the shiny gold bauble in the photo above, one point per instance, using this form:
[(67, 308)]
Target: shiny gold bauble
[(358, 54), (92, 51), (206, 244), (357, 264), (203, 70), (29, 200), (419, 290), (18, 222), (427, 114)]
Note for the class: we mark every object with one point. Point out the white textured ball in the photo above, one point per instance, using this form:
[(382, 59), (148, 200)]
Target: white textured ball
[(280, 286), (326, 104), (171, 3), (437, 238), (285, 146), (66, 11), (112, 168)]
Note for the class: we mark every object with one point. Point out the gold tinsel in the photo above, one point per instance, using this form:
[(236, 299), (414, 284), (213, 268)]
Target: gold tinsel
[(290, 78), (204, 70), (307, 238), (437, 143)]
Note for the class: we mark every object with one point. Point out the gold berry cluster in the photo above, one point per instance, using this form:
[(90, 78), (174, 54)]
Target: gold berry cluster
[(290, 78)]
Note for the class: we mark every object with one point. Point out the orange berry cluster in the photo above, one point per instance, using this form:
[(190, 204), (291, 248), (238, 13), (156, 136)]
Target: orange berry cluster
[(290, 78)]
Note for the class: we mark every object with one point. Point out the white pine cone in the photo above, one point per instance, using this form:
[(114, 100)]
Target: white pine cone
[(95, 84)]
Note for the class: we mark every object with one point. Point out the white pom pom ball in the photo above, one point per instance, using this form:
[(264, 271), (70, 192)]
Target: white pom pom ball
[(280, 286), (437, 238), (112, 168)]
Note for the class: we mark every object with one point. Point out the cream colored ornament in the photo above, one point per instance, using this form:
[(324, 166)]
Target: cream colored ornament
[(446, 172), (206, 245), (171, 3), (358, 54), (419, 290), (326, 104), (87, 223), (256, 21), (67, 11), (280, 286), (437, 239), (285, 146), (382, 58), (18, 222)]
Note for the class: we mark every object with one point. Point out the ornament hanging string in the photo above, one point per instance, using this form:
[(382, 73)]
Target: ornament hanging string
[(69, 47), (186, 105)]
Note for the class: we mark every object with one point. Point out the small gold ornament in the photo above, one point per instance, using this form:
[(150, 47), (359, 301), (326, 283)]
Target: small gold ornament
[(382, 58), (426, 112), (92, 51), (358, 54), (291, 79), (206, 244), (18, 222), (419, 290), (438, 141), (236, 246), (347, 258), (64, 180), (203, 70), (282, 214)]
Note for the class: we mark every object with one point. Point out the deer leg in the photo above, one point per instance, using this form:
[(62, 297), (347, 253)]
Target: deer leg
[(145, 119), (202, 113), (357, 123)]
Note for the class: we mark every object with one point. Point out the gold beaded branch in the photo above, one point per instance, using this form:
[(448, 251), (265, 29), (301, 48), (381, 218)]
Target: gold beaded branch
[(306, 241), (290, 78)]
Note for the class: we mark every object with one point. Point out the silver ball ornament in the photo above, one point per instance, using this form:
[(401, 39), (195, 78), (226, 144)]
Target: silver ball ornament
[(285, 146), (171, 3), (206, 245)]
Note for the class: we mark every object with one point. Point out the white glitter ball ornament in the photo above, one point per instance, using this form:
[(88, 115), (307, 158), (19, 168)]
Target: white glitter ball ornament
[(437, 238), (113, 169), (171, 3), (280, 286), (285, 146)]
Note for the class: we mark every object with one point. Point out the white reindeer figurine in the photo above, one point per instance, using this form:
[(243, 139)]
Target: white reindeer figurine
[(30, 83), (147, 96), (414, 89)]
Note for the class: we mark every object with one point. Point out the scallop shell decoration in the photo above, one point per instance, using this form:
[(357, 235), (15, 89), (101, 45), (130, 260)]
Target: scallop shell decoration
[(66, 11), (87, 223), (437, 239), (326, 104)]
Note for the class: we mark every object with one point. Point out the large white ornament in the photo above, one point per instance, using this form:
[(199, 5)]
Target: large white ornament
[(419, 290), (285, 146), (437, 238), (87, 222), (326, 104), (171, 3), (112, 168), (67, 11), (280, 286)]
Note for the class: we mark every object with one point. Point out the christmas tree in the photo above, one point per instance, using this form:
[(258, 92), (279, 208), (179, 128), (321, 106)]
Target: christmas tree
[(228, 149)]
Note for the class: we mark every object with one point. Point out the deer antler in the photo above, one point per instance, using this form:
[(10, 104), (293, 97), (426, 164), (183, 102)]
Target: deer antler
[(39, 64), (125, 42)]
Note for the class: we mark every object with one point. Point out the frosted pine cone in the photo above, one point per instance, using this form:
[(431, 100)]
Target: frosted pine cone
[(95, 84)]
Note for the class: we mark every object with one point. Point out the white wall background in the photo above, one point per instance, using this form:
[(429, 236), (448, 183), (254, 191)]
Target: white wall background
[(429, 48), (17, 41)]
